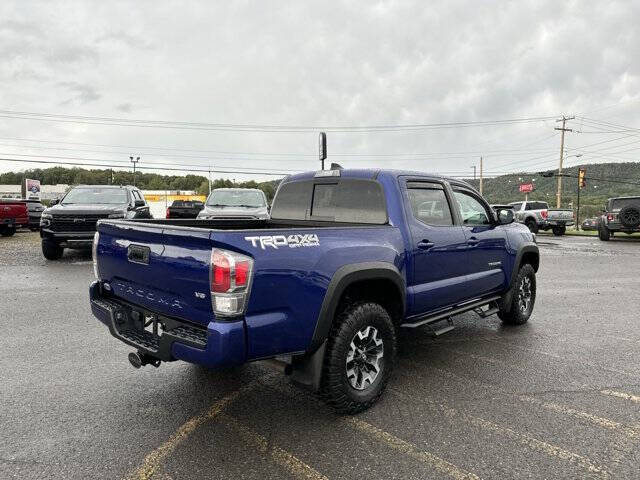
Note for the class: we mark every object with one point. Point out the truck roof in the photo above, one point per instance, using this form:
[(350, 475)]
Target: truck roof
[(103, 186), (375, 173), (625, 198), (237, 189)]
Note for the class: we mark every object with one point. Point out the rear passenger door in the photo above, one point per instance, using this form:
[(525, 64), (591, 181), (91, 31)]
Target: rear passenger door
[(437, 247), (486, 243)]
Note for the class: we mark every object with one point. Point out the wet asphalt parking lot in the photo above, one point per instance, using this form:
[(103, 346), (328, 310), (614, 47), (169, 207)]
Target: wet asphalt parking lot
[(556, 398)]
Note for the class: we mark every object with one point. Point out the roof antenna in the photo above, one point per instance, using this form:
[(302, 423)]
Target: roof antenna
[(336, 166)]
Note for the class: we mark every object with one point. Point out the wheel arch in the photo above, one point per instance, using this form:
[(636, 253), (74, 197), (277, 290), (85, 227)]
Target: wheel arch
[(378, 281), (526, 254), (353, 278)]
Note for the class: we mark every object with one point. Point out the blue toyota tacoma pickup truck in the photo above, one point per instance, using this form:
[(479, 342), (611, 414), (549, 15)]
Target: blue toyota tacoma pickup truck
[(347, 258)]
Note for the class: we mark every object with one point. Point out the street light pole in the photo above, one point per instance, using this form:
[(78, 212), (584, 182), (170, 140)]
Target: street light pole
[(474, 171), (137, 159)]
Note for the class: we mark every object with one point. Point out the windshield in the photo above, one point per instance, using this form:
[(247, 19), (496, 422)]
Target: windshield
[(236, 198), (96, 196), (620, 203)]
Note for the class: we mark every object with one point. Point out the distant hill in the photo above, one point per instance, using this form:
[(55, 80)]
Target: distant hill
[(146, 181), (501, 189), (504, 189)]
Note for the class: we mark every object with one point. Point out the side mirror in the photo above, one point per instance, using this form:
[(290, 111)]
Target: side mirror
[(53, 202), (505, 216), (139, 203)]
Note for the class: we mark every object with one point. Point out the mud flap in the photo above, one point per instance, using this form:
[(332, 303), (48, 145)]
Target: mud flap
[(307, 369)]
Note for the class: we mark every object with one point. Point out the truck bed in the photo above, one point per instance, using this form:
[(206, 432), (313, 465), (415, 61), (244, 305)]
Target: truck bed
[(221, 224)]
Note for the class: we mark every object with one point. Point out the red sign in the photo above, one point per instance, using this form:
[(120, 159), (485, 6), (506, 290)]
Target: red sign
[(526, 187)]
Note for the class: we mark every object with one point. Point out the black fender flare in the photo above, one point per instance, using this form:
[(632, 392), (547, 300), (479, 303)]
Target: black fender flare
[(526, 248), (307, 368), (342, 278)]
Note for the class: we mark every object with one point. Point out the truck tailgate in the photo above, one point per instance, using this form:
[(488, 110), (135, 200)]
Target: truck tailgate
[(158, 267), (14, 211), (555, 214)]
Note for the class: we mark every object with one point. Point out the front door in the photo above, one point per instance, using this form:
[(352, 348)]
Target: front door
[(437, 246), (486, 241)]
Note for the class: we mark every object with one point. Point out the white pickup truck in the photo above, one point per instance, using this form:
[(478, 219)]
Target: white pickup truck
[(538, 216)]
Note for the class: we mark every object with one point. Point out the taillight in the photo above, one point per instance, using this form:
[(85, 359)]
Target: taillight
[(611, 217), (230, 280), (221, 272), (544, 214), (168, 214), (94, 254)]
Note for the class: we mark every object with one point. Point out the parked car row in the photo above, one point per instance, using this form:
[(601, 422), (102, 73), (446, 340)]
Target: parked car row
[(71, 222)]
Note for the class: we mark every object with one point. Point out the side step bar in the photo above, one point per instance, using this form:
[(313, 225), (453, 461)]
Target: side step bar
[(473, 305)]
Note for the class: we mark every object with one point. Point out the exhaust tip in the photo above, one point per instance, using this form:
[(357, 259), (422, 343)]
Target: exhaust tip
[(135, 360)]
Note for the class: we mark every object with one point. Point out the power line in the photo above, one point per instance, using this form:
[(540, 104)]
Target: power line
[(92, 120), (118, 161), (106, 165)]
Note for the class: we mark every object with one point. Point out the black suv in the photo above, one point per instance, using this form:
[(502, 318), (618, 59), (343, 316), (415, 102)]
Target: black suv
[(71, 222), (621, 214)]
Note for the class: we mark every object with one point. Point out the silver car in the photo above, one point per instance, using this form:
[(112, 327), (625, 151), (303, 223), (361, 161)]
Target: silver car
[(235, 203)]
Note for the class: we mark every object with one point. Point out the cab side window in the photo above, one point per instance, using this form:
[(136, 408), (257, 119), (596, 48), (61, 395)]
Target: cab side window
[(429, 203), (471, 210), (136, 195)]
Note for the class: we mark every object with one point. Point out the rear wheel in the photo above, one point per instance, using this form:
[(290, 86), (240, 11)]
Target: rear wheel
[(532, 225), (603, 233), (8, 231), (559, 231), (360, 355), (517, 305), (51, 250)]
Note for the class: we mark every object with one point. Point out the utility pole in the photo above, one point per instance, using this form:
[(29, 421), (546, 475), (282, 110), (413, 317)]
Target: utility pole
[(209, 179), (563, 129), (481, 176), (474, 171), (134, 168)]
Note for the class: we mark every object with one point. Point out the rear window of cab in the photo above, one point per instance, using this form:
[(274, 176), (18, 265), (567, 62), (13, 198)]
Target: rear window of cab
[(338, 200)]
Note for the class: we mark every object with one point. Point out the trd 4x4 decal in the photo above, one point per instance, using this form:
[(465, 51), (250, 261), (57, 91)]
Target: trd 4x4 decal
[(291, 241)]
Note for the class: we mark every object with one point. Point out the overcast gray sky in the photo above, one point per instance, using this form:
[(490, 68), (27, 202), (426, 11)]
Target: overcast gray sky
[(322, 63)]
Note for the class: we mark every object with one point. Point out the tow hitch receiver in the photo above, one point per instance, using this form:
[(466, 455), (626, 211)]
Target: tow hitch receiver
[(138, 359)]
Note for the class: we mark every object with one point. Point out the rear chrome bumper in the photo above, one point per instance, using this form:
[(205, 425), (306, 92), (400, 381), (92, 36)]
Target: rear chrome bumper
[(218, 344)]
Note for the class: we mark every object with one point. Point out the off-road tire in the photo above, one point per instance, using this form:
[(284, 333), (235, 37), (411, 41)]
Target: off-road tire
[(336, 389), (532, 225), (603, 233), (8, 231), (510, 311), (51, 250), (629, 216), (559, 231)]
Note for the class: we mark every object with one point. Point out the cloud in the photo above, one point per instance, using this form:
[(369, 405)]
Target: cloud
[(326, 63), (81, 94), (125, 107)]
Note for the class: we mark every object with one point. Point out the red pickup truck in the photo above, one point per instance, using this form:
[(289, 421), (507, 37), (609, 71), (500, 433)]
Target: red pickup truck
[(13, 214)]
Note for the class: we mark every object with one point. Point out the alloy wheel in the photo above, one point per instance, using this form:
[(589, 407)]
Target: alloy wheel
[(363, 358)]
